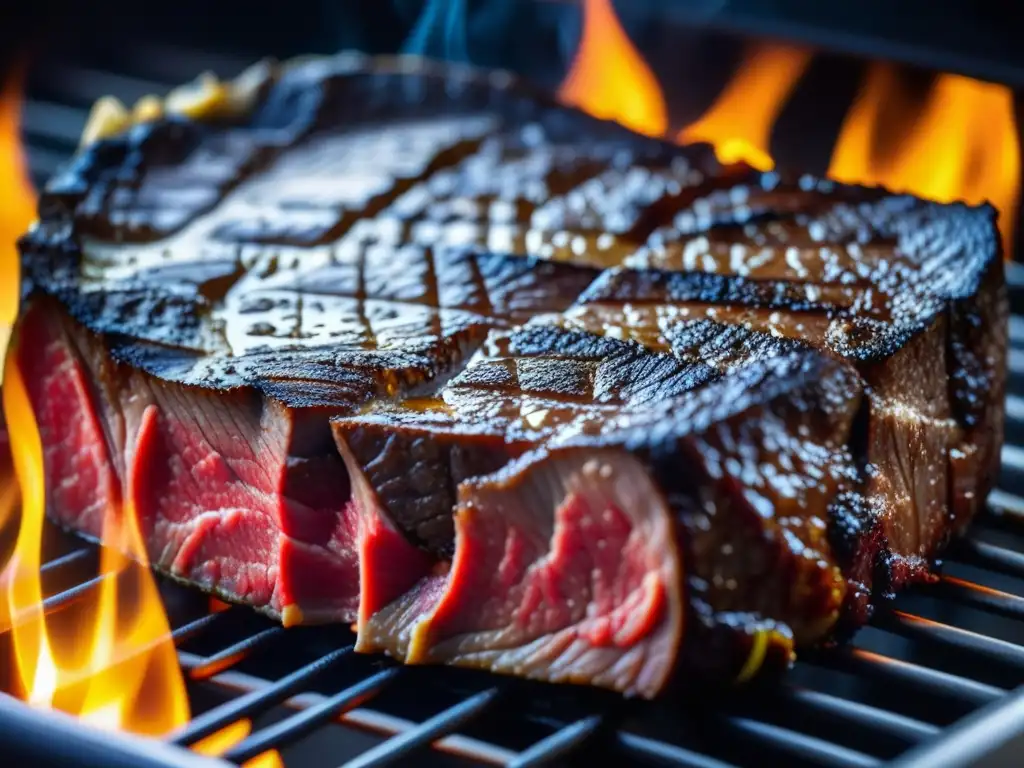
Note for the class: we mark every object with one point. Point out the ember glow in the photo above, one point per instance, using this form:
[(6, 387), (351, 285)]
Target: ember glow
[(739, 123), (609, 79), (961, 145)]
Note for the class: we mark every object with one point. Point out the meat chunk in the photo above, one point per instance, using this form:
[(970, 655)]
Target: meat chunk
[(505, 385), (617, 512)]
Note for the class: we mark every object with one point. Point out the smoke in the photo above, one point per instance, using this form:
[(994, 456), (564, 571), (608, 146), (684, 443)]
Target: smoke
[(441, 31), (535, 39)]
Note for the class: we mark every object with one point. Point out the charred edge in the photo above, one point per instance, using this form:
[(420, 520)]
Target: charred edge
[(415, 475), (659, 286)]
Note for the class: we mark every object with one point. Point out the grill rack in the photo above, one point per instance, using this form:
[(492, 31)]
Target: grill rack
[(933, 682)]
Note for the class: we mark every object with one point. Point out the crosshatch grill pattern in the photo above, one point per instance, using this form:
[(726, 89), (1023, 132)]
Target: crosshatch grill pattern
[(933, 682)]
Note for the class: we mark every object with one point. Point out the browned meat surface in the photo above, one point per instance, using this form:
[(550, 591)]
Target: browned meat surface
[(505, 385)]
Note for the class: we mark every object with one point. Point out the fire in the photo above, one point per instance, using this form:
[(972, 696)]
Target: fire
[(739, 123), (126, 676), (18, 210), (218, 743), (609, 79), (118, 670), (218, 606), (962, 144)]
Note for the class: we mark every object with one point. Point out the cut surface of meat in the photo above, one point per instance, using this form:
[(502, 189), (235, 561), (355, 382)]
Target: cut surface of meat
[(506, 386)]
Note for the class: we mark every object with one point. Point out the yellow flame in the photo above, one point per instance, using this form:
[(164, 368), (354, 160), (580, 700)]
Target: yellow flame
[(135, 682), (126, 676), (609, 79), (24, 591), (739, 123), (962, 145), (18, 209), (130, 678)]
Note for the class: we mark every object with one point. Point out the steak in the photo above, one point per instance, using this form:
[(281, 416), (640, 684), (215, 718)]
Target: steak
[(411, 346)]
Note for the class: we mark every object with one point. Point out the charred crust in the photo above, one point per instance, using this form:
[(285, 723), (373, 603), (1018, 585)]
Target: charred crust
[(659, 286), (709, 378)]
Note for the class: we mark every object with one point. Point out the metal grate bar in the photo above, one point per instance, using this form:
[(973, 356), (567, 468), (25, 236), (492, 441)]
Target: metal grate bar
[(1000, 500), (78, 557), (193, 629), (854, 713), (1004, 510), (666, 754), (932, 682), (78, 85), (563, 741), (56, 739), (989, 556), (235, 653), (978, 596), (990, 648), (800, 745), (58, 123), (1017, 329), (257, 701), (982, 733), (298, 725), (428, 731), (364, 718), (1015, 362), (76, 593), (1012, 458)]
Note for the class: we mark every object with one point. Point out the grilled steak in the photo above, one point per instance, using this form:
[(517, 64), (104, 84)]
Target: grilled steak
[(507, 386)]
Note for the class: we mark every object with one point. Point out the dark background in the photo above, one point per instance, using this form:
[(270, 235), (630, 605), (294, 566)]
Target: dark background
[(693, 45), (979, 37)]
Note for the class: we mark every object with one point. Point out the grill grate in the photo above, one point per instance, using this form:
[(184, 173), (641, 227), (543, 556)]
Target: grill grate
[(930, 683)]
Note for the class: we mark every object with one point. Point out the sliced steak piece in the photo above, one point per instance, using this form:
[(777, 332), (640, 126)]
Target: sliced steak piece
[(234, 491), (617, 551), (797, 385), (520, 389)]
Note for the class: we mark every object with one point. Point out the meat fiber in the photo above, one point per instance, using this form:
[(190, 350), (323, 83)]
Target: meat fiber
[(505, 385)]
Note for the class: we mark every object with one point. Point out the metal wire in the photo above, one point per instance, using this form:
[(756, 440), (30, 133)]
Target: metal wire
[(897, 674), (564, 741), (298, 725), (259, 701), (439, 725), (853, 713), (793, 744)]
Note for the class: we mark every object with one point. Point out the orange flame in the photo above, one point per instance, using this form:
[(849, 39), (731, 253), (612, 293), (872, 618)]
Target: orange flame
[(129, 677), (126, 675), (962, 145), (609, 79), (18, 210), (216, 744), (218, 606), (739, 123)]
